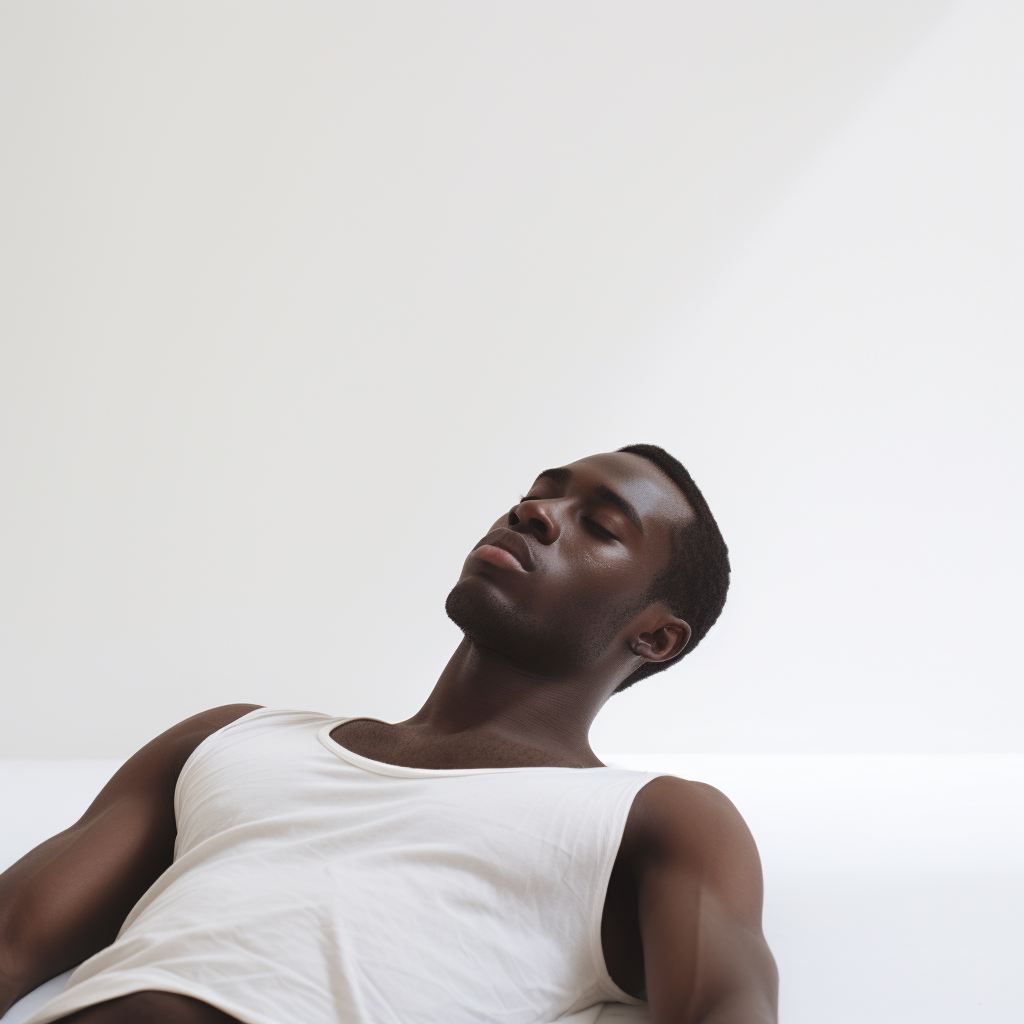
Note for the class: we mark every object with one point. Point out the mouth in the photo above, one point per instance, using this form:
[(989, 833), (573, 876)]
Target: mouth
[(505, 548)]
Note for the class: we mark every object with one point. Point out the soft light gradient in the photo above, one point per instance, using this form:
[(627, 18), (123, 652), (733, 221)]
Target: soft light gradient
[(297, 298)]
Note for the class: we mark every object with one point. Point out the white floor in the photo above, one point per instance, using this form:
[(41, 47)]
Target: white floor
[(894, 883)]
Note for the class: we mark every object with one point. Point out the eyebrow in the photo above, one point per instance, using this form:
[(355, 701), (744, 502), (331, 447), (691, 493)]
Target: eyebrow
[(562, 475)]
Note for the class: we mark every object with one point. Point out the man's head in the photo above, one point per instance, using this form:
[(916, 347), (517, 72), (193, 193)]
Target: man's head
[(612, 564)]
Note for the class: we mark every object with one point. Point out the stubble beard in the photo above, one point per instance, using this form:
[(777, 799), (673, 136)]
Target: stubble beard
[(583, 634)]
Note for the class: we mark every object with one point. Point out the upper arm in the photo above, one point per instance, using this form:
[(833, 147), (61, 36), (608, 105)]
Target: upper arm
[(67, 898), (699, 891)]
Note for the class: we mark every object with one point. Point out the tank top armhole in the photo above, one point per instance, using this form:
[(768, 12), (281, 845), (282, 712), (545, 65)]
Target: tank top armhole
[(609, 990), (202, 747)]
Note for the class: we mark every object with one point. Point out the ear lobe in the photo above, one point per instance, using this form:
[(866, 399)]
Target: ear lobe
[(664, 643)]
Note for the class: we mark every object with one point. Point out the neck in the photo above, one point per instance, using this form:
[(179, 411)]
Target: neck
[(484, 693)]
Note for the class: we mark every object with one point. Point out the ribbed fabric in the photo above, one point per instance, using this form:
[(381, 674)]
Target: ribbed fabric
[(311, 885)]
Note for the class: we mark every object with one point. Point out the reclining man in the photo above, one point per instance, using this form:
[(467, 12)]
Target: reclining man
[(476, 863)]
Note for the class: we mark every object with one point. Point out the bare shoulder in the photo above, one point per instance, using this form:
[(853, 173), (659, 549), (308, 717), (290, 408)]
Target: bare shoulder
[(693, 827), (699, 898), (159, 762), (192, 731), (204, 724), (669, 804)]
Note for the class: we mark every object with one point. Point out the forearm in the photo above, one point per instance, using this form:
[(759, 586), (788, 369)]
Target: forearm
[(16, 956), (66, 899), (10, 986), (33, 948)]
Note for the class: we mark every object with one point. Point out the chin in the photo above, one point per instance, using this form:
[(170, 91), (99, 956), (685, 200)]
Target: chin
[(488, 618), (485, 615)]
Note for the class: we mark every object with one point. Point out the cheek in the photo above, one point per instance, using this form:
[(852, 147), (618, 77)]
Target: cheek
[(606, 570)]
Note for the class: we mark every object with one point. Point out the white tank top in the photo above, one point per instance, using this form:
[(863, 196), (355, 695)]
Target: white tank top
[(311, 885)]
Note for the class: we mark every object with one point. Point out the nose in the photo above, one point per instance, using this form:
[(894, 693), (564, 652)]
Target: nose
[(534, 516)]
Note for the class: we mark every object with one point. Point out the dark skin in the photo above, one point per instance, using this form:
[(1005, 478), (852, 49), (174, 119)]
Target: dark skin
[(552, 605)]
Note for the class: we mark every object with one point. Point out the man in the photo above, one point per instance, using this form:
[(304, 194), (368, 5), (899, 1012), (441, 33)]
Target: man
[(475, 863)]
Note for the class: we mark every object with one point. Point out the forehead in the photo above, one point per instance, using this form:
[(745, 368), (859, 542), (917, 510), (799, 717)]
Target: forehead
[(636, 479)]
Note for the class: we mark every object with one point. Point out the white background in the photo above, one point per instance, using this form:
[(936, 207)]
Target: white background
[(297, 298)]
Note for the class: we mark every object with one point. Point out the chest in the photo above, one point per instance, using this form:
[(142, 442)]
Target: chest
[(510, 855), (620, 931)]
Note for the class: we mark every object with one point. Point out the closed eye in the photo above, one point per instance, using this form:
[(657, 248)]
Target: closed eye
[(600, 530)]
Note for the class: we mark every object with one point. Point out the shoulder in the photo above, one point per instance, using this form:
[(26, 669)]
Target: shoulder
[(668, 804), (209, 721), (699, 898), (693, 828), (190, 732), (158, 763)]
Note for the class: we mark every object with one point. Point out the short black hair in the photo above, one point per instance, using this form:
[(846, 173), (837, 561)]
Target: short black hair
[(694, 583)]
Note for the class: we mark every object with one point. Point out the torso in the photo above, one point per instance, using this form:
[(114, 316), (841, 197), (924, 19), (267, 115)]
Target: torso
[(396, 744)]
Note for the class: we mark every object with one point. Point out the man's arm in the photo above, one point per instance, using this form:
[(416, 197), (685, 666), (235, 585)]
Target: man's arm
[(67, 898), (699, 891)]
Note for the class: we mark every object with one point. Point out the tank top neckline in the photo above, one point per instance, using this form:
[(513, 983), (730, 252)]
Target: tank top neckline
[(405, 772)]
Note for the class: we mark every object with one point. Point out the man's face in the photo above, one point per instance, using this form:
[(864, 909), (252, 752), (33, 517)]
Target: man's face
[(556, 578)]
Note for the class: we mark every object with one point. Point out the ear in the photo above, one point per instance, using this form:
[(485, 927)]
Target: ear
[(663, 643)]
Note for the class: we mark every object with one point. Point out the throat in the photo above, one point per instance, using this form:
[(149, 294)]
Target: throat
[(416, 746)]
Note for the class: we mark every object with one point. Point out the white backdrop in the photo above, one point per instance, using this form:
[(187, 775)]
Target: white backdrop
[(296, 299)]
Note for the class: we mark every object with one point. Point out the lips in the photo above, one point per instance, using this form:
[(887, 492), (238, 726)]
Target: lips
[(512, 542)]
